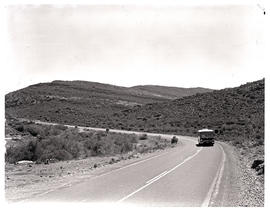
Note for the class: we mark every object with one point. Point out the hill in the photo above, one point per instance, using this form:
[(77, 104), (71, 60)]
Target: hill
[(230, 112), (170, 92), (77, 101)]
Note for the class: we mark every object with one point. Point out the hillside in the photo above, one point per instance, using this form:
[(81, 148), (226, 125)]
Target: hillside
[(77, 101), (236, 115), (170, 92), (230, 112)]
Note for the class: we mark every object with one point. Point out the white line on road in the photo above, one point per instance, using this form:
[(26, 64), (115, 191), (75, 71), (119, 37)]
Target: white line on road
[(216, 182), (156, 177), (159, 177), (132, 164), (220, 173)]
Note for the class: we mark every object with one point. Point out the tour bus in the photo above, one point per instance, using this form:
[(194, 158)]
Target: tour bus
[(205, 137)]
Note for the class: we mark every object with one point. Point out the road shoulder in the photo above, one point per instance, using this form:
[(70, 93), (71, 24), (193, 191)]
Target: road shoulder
[(239, 185)]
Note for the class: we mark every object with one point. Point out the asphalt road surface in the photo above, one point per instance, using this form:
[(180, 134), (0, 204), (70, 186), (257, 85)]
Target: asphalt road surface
[(183, 176)]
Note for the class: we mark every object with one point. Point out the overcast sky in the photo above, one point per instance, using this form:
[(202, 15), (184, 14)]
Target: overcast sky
[(212, 46)]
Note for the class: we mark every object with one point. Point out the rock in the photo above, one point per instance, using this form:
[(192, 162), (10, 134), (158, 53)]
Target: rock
[(136, 156), (260, 169), (256, 163)]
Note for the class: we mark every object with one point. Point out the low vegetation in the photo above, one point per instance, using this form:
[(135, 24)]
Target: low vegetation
[(43, 143)]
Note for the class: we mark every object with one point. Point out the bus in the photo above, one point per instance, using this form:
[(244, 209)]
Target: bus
[(206, 137)]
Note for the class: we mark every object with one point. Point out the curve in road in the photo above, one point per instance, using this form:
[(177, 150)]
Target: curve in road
[(185, 176)]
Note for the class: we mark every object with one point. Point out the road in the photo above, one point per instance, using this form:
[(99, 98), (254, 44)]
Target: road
[(183, 176)]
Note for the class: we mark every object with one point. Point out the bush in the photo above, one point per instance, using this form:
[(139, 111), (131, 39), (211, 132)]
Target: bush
[(60, 154), (123, 145), (56, 148), (35, 130), (256, 163), (61, 143), (143, 137), (24, 151), (174, 140), (134, 139), (19, 128)]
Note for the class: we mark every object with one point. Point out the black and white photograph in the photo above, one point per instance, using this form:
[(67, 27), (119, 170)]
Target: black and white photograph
[(134, 103)]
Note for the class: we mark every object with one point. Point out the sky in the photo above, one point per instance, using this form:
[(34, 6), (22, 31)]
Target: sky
[(211, 45)]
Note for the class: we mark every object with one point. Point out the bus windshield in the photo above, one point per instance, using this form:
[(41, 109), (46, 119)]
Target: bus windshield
[(206, 134)]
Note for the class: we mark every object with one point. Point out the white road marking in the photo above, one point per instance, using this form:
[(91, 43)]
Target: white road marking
[(220, 173), (70, 184), (216, 182), (132, 164), (156, 177), (159, 177)]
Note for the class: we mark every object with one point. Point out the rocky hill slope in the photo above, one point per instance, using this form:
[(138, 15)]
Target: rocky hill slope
[(80, 101), (230, 112)]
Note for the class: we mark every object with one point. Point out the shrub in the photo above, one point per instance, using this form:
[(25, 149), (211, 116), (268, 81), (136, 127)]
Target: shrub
[(103, 147), (19, 128), (174, 140), (134, 139), (59, 154), (123, 145), (143, 137), (34, 130), (256, 163), (24, 151), (56, 148), (62, 143)]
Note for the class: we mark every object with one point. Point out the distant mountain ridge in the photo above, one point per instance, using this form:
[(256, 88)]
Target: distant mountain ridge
[(83, 89), (165, 92), (170, 92)]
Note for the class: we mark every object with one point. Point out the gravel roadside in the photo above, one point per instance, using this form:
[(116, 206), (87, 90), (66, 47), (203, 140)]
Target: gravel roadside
[(240, 185)]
